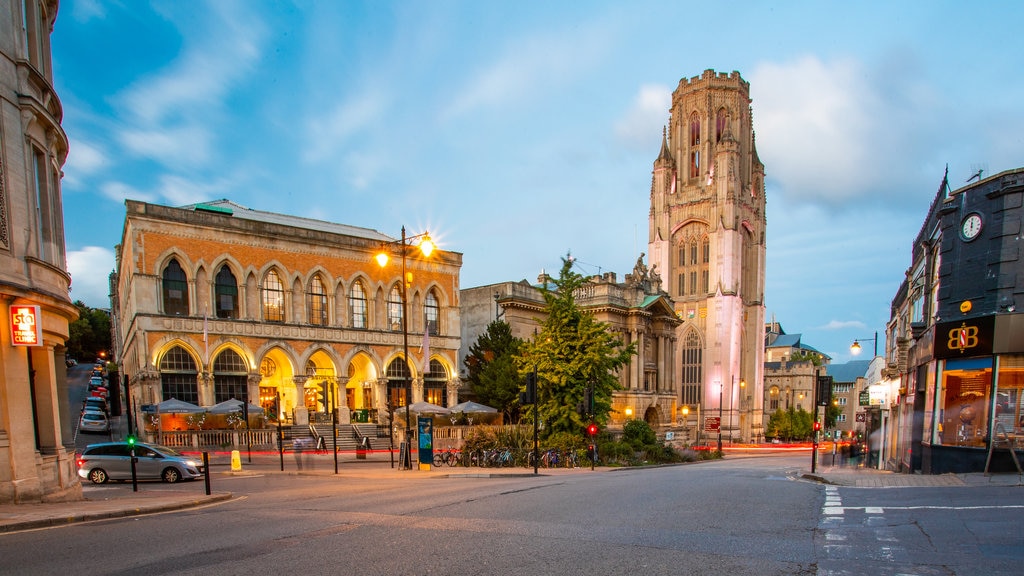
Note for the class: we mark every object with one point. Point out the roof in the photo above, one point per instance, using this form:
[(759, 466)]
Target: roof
[(235, 210), (787, 341), (848, 371)]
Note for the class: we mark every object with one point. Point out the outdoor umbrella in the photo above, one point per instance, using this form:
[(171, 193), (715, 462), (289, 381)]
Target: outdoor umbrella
[(234, 405), (175, 406), (472, 408)]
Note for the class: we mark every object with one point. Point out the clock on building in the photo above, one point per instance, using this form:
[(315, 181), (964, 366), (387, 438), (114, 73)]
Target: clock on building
[(971, 226)]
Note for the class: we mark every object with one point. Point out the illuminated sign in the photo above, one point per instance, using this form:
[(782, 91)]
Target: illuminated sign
[(26, 325), (964, 338)]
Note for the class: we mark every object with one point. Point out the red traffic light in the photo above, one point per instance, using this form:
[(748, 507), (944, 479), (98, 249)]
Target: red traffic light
[(817, 426), (592, 429)]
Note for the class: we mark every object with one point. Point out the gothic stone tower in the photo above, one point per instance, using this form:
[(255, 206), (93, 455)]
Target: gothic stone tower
[(707, 239)]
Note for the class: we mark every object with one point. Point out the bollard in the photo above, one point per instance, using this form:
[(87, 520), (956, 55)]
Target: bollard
[(236, 461)]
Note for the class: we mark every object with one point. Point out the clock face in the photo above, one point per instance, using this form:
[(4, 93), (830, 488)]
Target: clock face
[(971, 227)]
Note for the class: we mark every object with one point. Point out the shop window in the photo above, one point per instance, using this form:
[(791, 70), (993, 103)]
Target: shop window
[(965, 398), (435, 383), (178, 376), (230, 377), (398, 377)]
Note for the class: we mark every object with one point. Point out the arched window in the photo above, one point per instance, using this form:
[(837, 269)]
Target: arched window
[(398, 379), (435, 383), (175, 289), (694, 146), (357, 305), (719, 124), (316, 302), (394, 309), (230, 377), (178, 376), (226, 293), (273, 298), (431, 313), (693, 368), (705, 270)]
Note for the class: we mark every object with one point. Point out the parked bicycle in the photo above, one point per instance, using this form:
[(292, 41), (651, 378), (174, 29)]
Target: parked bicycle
[(448, 457)]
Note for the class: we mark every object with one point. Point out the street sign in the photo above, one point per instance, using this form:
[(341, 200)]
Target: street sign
[(864, 398), (712, 423), (861, 417), (26, 325)]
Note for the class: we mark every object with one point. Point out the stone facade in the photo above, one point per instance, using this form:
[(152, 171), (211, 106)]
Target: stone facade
[(635, 311), (36, 439), (707, 239), (216, 300)]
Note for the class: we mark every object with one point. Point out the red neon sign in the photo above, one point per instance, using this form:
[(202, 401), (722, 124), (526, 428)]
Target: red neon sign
[(26, 325)]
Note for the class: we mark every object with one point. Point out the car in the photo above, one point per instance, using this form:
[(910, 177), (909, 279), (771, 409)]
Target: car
[(96, 382), (100, 463), (96, 403), (98, 393), (93, 421)]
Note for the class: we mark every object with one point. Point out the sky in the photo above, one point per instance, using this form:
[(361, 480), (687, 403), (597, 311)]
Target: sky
[(519, 132)]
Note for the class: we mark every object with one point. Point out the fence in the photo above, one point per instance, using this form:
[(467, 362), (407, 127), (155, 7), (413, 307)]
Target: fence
[(225, 439)]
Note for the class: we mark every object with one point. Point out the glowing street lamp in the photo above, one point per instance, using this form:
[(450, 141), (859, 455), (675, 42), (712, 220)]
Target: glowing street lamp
[(426, 246), (855, 347)]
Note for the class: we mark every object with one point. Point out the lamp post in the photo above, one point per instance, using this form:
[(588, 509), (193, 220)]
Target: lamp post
[(855, 347), (426, 246), (720, 388)]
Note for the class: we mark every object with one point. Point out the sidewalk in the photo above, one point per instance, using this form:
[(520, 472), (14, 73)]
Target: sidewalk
[(120, 500)]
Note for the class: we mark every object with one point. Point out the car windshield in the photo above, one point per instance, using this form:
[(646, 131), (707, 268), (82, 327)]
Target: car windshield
[(166, 450), (93, 416)]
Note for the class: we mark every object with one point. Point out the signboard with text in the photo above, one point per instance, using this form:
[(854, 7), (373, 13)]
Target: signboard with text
[(712, 423), (26, 325)]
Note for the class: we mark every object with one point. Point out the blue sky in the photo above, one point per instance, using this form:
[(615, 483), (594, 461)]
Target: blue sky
[(518, 131)]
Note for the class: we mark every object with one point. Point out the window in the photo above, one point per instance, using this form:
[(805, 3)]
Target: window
[(226, 293), (841, 418), (398, 378), (357, 305), (316, 302), (719, 124), (693, 252), (694, 146), (36, 30), (682, 256), (175, 289), (394, 309), (178, 376), (705, 281), (693, 368), (431, 313), (44, 209), (705, 248), (273, 298), (965, 400), (841, 401), (681, 288), (693, 283), (434, 384), (230, 377)]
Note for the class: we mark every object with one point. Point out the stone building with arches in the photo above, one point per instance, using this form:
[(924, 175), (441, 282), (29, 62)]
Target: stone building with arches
[(216, 301)]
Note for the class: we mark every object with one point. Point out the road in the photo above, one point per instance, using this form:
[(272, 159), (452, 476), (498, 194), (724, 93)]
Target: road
[(739, 516)]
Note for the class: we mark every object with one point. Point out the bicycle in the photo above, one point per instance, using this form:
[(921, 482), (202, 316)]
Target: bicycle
[(450, 457)]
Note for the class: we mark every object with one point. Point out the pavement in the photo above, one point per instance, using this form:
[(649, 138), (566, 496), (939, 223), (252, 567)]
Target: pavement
[(119, 500)]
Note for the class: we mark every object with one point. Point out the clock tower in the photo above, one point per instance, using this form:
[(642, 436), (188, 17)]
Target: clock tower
[(707, 240)]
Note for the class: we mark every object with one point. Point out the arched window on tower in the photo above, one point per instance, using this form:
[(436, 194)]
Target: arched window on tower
[(226, 293), (692, 369), (316, 302), (273, 297), (694, 146), (719, 125), (175, 289), (432, 313)]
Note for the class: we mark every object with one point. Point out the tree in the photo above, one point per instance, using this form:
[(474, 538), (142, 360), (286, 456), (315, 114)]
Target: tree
[(800, 355), (493, 376), (571, 352), (790, 424), (89, 334)]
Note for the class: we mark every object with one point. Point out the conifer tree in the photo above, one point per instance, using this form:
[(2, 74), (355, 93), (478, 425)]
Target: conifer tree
[(571, 351), (492, 375)]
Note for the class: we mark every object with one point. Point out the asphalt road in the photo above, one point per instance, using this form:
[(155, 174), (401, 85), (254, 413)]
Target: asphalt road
[(738, 516)]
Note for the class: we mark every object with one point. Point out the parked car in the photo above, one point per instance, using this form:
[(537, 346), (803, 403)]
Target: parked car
[(100, 392), (97, 403), (99, 463), (93, 421), (96, 382)]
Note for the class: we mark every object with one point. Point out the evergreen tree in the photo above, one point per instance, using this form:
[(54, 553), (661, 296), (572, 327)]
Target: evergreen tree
[(492, 374), (572, 351)]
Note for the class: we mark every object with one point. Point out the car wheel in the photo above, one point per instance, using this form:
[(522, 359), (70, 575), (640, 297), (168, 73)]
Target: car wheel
[(171, 475), (98, 476)]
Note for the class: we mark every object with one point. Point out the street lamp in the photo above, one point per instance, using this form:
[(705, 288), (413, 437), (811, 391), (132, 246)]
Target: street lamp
[(855, 347), (426, 246), (720, 388)]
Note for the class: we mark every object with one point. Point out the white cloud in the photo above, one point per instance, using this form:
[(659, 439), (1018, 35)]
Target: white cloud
[(327, 135), (119, 191), (90, 269), (173, 146), (648, 112), (840, 131), (84, 159), (84, 10), (842, 325), (178, 191)]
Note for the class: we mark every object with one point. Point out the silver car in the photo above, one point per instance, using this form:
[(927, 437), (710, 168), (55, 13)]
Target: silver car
[(112, 461), (93, 421)]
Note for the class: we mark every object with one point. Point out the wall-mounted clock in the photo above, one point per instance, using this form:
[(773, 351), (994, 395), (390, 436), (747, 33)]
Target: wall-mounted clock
[(970, 228)]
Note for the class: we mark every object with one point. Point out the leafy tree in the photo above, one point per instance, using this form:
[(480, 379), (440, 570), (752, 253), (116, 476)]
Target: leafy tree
[(790, 424), (89, 334), (492, 374), (805, 356), (572, 351), (831, 414)]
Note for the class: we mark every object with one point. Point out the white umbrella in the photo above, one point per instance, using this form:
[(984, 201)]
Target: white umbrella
[(233, 405), (472, 408), (425, 408), (175, 406)]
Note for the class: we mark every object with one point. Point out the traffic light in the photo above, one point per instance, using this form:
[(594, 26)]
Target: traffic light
[(817, 426), (530, 395), (824, 391), (131, 441), (588, 399), (591, 453), (592, 429)]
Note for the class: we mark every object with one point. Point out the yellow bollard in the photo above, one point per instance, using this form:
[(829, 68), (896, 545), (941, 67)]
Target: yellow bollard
[(236, 461)]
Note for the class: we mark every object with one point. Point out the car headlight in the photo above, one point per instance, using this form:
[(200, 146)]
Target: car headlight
[(191, 463)]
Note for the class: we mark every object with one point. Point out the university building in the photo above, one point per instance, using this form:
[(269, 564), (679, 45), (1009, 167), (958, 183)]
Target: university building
[(36, 441), (215, 301)]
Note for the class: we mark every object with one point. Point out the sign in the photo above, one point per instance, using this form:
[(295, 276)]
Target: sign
[(425, 433), (712, 423), (964, 338), (861, 417), (864, 399), (26, 325)]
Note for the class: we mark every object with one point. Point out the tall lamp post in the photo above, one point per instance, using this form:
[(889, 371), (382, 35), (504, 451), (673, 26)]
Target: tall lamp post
[(426, 246), (855, 347), (721, 387)]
